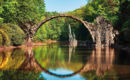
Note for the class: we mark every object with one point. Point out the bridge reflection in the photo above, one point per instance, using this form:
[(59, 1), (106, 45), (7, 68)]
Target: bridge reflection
[(101, 61)]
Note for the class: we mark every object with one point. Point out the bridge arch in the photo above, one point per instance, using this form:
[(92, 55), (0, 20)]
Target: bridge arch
[(35, 28), (102, 31)]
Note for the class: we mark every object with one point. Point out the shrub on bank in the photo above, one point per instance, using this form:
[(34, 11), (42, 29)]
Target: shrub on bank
[(15, 34)]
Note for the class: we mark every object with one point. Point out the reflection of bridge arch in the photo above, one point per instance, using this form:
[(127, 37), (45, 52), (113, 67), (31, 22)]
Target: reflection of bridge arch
[(53, 74), (101, 61), (31, 63)]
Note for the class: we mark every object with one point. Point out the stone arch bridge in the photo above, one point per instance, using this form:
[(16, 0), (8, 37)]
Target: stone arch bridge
[(102, 31)]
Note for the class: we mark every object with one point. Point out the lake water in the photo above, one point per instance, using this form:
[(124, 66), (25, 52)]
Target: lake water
[(63, 62)]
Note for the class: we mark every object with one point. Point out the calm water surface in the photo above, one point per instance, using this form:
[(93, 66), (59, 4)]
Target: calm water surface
[(63, 62)]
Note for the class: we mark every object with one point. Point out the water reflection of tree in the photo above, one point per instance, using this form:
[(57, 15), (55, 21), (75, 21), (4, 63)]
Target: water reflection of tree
[(19, 75), (11, 59), (10, 62), (49, 55), (57, 56)]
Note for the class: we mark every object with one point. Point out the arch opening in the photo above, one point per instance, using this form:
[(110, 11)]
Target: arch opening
[(83, 23)]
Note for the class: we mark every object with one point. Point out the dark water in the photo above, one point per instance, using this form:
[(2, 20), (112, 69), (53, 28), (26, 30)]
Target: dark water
[(63, 62)]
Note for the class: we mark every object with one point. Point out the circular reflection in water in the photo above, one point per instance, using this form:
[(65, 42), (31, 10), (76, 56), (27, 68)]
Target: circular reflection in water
[(52, 72), (53, 59)]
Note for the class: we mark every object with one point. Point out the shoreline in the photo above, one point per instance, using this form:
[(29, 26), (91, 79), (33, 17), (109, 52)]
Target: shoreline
[(10, 47), (2, 48)]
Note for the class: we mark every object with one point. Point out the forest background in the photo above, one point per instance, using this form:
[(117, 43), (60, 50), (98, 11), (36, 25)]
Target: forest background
[(16, 15)]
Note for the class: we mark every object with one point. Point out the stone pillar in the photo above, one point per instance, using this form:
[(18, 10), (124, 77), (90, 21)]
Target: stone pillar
[(104, 32), (98, 33), (98, 39), (112, 35), (107, 36), (29, 40)]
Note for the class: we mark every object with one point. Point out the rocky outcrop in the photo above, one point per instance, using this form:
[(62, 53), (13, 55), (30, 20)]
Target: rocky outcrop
[(103, 32)]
